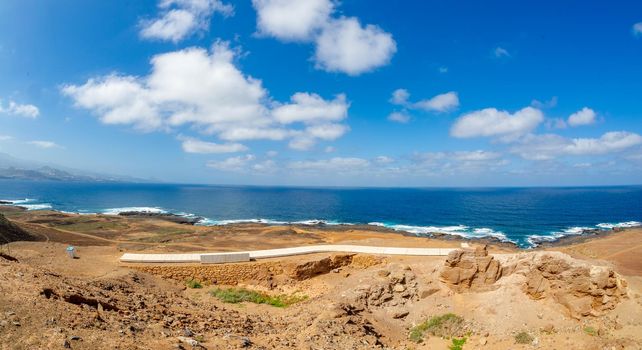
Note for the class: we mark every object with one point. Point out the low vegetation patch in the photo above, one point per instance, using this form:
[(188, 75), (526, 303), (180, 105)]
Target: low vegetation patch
[(523, 338), (590, 331), (457, 343), (239, 295), (193, 284), (446, 325)]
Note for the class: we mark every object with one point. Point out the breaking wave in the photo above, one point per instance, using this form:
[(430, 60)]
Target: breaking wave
[(535, 240), (458, 230)]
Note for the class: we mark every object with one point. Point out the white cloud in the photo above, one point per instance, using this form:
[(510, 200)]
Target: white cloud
[(266, 166), (292, 19), (400, 97), (345, 46), (491, 122), (637, 29), (333, 164), (181, 18), (207, 91), (399, 117), (21, 110), (44, 144), (443, 70), (238, 163), (441, 163), (306, 108), (550, 146), (329, 149), (440, 103), (192, 145), (5, 137), (500, 52), (585, 116), (271, 154), (342, 44), (478, 155)]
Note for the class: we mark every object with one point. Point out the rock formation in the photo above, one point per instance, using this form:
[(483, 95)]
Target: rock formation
[(471, 270), (582, 288)]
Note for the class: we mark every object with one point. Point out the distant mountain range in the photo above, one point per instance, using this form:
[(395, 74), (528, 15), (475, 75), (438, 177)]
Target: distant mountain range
[(19, 169)]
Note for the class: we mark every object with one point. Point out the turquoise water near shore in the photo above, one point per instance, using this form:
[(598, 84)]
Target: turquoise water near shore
[(525, 216)]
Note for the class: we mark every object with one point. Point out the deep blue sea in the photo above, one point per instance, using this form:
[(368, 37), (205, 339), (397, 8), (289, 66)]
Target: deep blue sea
[(525, 216)]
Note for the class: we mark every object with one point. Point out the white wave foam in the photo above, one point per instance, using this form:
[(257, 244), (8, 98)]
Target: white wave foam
[(458, 230), (18, 201), (151, 210), (211, 222), (40, 206), (535, 240), (625, 224)]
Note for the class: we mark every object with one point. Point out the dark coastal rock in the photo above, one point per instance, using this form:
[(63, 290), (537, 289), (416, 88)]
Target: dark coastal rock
[(5, 202), (164, 216)]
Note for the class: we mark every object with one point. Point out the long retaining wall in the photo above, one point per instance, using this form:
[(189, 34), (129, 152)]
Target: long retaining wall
[(208, 258)]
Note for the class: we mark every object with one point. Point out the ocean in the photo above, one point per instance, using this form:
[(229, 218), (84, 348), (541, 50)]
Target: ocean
[(525, 216)]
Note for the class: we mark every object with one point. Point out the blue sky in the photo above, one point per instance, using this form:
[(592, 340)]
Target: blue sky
[(319, 92)]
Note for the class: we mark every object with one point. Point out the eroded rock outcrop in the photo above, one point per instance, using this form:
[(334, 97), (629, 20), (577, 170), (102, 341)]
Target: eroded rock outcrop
[(471, 270), (582, 288)]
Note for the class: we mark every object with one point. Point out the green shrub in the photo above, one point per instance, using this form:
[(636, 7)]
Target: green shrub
[(523, 338), (239, 295), (193, 284), (446, 325), (590, 331), (457, 343)]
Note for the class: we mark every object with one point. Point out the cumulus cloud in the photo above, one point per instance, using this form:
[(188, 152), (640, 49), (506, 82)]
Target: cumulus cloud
[(399, 117), (44, 144), (342, 44), (637, 29), (192, 145), (501, 52), (238, 163), (21, 110), (179, 19), (306, 107), (207, 91), (585, 116), (491, 122), (440, 103), (346, 46), (292, 19), (550, 146)]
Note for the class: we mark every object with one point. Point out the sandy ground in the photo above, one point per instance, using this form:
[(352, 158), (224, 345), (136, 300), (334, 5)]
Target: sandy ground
[(40, 305)]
